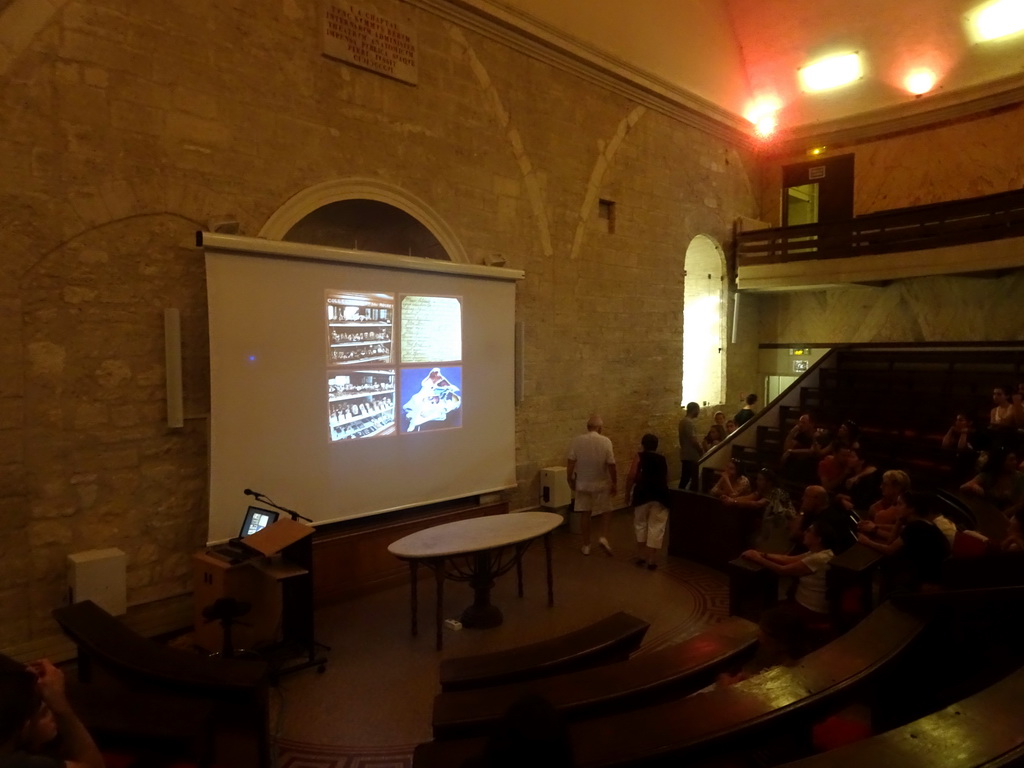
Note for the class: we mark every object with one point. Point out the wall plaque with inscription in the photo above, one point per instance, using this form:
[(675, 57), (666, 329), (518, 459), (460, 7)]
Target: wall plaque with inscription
[(359, 35)]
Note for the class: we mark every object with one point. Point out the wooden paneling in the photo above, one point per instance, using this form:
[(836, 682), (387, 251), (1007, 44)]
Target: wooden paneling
[(352, 559)]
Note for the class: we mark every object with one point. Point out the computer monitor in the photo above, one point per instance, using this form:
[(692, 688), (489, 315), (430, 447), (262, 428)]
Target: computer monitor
[(256, 519)]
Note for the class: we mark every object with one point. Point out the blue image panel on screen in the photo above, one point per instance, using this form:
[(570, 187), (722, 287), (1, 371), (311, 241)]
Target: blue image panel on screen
[(431, 398)]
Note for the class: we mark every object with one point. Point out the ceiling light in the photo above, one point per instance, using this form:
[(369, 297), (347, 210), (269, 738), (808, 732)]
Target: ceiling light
[(919, 81), (831, 72), (761, 107), (998, 19), (766, 126)]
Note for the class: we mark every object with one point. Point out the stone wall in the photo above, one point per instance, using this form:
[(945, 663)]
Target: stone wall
[(126, 126)]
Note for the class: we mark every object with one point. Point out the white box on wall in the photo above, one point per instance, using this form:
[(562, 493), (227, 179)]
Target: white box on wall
[(100, 575), (554, 488)]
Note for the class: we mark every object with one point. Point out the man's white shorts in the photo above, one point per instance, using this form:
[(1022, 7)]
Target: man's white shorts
[(594, 502)]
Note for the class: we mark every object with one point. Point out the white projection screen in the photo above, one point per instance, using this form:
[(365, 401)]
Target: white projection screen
[(345, 384)]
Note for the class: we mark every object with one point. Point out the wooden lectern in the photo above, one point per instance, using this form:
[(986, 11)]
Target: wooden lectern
[(277, 582)]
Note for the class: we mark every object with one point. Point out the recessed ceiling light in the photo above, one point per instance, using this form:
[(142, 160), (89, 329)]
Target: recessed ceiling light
[(999, 19), (831, 72)]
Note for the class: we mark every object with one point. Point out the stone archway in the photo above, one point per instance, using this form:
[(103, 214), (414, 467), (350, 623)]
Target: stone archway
[(361, 197), (704, 322)]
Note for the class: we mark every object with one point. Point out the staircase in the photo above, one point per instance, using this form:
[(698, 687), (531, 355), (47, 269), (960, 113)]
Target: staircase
[(903, 397)]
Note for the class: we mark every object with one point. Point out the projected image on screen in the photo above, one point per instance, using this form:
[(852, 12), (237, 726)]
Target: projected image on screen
[(431, 329), (359, 328), (361, 403), (431, 398)]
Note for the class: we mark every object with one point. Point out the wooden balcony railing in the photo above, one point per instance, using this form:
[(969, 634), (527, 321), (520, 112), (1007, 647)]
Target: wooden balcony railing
[(975, 220)]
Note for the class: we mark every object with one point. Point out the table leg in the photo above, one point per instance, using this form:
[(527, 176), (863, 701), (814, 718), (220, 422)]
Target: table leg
[(520, 551), (551, 577), (439, 618), (413, 573), (481, 614)]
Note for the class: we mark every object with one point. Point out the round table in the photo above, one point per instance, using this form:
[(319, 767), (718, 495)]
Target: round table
[(477, 551)]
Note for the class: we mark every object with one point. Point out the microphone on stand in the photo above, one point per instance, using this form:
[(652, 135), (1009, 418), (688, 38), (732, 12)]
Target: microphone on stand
[(251, 492)]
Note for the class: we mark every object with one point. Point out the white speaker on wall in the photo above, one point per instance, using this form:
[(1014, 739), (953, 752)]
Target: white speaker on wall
[(520, 340), (172, 365), (100, 575)]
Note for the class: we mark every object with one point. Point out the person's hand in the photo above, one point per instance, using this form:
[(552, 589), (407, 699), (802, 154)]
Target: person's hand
[(50, 681), (850, 481), (863, 539), (865, 526), (752, 554)]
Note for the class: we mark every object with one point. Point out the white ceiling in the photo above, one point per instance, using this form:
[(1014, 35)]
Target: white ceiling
[(728, 51)]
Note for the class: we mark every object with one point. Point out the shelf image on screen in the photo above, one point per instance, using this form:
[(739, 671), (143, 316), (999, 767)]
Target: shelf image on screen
[(359, 328), (431, 398), (361, 403)]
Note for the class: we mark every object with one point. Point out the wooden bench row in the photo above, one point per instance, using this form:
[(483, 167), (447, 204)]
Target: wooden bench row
[(136, 686), (608, 640), (729, 718), (647, 678)]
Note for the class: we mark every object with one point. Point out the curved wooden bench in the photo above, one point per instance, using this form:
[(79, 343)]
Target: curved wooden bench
[(644, 679), (982, 730), (735, 716), (150, 675), (610, 639)]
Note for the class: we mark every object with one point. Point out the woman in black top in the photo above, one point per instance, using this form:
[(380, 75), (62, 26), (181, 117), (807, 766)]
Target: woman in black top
[(919, 549), (647, 490)]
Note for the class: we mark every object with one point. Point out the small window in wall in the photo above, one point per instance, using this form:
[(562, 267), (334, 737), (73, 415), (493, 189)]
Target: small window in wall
[(606, 215), (703, 323)]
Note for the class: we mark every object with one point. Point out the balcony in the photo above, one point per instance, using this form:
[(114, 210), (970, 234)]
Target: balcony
[(978, 235)]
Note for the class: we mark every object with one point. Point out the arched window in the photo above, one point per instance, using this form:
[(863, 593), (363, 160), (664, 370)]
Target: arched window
[(704, 322), (367, 225)]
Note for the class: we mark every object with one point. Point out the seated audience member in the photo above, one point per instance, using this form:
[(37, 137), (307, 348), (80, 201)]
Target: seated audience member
[(800, 451), (732, 482), (38, 728), (862, 487), (833, 470), (647, 490), (1000, 481), (883, 516), (919, 547), (844, 437), (809, 603), (716, 432), (746, 413), (959, 440), (816, 507), (1014, 541), (777, 507), (730, 426), (1005, 418)]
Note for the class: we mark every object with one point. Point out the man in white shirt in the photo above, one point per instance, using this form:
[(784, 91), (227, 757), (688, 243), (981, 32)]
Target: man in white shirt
[(592, 477)]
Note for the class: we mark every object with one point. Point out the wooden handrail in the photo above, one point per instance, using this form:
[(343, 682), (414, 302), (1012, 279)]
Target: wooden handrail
[(974, 220)]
